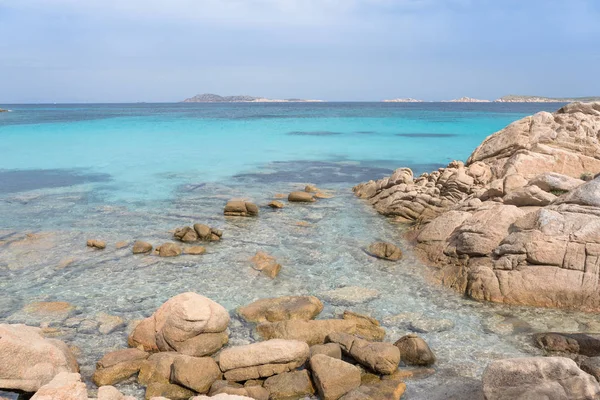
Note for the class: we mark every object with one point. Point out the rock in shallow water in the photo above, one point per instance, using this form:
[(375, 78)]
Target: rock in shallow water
[(169, 250), (301, 197), (311, 332), (240, 208), (382, 358), (385, 251), (551, 378), (140, 247), (415, 351), (266, 263)]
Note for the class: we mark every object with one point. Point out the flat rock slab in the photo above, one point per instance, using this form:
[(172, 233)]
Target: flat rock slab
[(281, 309)]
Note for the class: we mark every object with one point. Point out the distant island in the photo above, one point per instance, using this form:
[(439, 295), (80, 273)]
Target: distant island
[(215, 98), (540, 99), (408, 100), (466, 100)]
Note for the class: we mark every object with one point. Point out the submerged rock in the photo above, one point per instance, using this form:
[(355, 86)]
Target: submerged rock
[(266, 264), (388, 390), (350, 295), (30, 361), (281, 309), (195, 250), (552, 378), (386, 251), (276, 204)]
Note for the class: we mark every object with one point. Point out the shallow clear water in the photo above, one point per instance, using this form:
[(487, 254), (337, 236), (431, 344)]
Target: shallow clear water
[(122, 173)]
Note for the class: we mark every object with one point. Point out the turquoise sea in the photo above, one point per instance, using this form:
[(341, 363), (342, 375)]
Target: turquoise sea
[(123, 172)]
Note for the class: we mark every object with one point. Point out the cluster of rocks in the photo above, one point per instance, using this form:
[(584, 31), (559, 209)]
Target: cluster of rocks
[(179, 352), (519, 222)]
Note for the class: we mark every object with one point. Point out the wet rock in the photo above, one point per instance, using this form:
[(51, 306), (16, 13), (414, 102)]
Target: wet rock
[(169, 250), (417, 322), (311, 332), (276, 204), (332, 350), (366, 327), (186, 234), (96, 244), (379, 357), (350, 295), (195, 250), (575, 343), (180, 323), (64, 386), (323, 195), (121, 245), (333, 378), (208, 234), (415, 351), (311, 188), (551, 378), (403, 374), (30, 361), (389, 390), (300, 197), (263, 359), (289, 385), (240, 208), (591, 365), (168, 390), (195, 373), (222, 396), (266, 263), (118, 365), (140, 247), (281, 309), (385, 251), (109, 323)]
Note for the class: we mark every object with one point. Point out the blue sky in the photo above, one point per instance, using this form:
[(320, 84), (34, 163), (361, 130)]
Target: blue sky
[(159, 50)]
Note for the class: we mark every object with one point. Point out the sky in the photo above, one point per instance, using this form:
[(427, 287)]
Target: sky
[(354, 50)]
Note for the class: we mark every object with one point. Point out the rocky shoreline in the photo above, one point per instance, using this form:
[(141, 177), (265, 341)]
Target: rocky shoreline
[(518, 223)]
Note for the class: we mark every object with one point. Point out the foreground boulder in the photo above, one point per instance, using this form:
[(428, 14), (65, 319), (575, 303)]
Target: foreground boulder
[(240, 208), (237, 389), (550, 378), (333, 378), (195, 373), (64, 386), (263, 359), (187, 323), (515, 224), (281, 309), (290, 385), (311, 332), (382, 358), (28, 361), (586, 344)]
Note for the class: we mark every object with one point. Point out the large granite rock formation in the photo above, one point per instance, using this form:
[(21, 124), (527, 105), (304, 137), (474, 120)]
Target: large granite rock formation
[(517, 223)]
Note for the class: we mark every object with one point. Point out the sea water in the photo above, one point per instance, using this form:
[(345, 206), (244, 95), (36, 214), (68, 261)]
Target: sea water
[(122, 173)]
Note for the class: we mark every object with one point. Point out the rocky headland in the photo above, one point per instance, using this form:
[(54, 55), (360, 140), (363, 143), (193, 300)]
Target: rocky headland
[(541, 99), (215, 98), (519, 222)]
